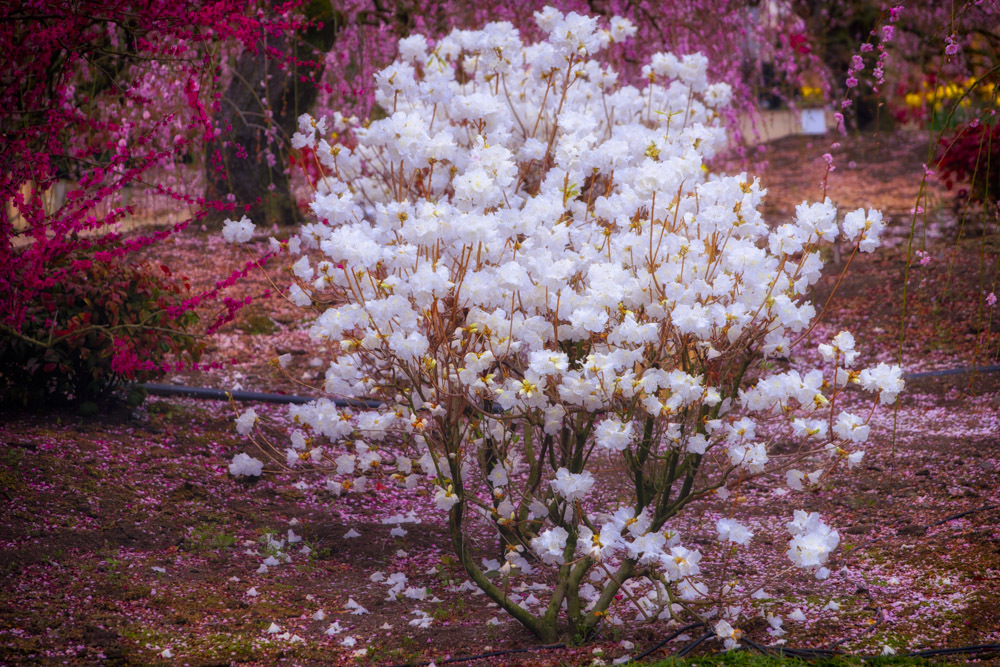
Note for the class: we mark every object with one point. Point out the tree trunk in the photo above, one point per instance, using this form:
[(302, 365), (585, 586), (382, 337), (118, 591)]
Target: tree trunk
[(244, 162), (840, 29)]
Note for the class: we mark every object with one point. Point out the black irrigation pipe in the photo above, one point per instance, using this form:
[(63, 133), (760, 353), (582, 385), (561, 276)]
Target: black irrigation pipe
[(993, 368), (763, 650), (803, 653), (206, 393), (984, 508), (209, 394), (976, 648), (672, 636), (818, 653), (695, 644)]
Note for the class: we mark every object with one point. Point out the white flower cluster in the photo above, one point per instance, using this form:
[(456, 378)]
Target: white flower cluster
[(521, 234), (244, 464), (864, 228), (246, 421), (572, 486), (237, 231), (812, 542)]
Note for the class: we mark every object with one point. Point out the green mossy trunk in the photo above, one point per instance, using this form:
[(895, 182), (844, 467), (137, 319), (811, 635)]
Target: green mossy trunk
[(237, 164)]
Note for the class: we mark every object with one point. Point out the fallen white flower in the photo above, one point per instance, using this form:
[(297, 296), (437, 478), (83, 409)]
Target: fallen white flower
[(357, 609), (245, 465)]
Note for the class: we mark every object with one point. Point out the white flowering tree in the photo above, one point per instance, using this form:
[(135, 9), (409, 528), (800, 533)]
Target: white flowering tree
[(568, 319)]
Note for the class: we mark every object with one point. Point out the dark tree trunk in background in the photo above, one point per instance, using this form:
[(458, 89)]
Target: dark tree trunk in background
[(839, 29), (237, 163)]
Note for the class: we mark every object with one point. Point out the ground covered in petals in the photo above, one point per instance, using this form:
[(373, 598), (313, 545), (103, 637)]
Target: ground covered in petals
[(123, 537)]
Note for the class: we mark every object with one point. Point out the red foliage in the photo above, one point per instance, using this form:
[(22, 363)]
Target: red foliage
[(112, 322), (972, 156), (105, 97)]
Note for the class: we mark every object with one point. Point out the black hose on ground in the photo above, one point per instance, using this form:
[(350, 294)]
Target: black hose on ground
[(977, 648), (818, 653), (206, 393), (993, 368), (695, 644), (672, 636)]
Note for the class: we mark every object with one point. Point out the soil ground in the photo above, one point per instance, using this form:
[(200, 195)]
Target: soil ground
[(122, 535)]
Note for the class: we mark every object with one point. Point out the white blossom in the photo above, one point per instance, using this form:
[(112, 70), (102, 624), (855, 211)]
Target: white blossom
[(245, 465), (812, 540), (444, 499), (246, 421), (733, 531), (550, 544), (237, 231), (613, 435), (883, 379), (572, 486), (728, 634)]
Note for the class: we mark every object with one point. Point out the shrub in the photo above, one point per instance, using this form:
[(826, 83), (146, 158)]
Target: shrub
[(103, 324), (575, 330), (971, 156)]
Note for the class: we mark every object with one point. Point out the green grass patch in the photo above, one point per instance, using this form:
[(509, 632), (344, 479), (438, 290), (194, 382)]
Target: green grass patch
[(257, 324), (211, 537)]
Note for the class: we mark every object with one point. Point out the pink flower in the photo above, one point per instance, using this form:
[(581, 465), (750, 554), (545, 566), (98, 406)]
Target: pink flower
[(991, 299)]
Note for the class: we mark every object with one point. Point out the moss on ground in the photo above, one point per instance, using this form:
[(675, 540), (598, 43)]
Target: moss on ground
[(748, 659)]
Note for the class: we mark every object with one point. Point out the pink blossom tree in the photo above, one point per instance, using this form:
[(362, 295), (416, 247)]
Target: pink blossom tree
[(106, 100)]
